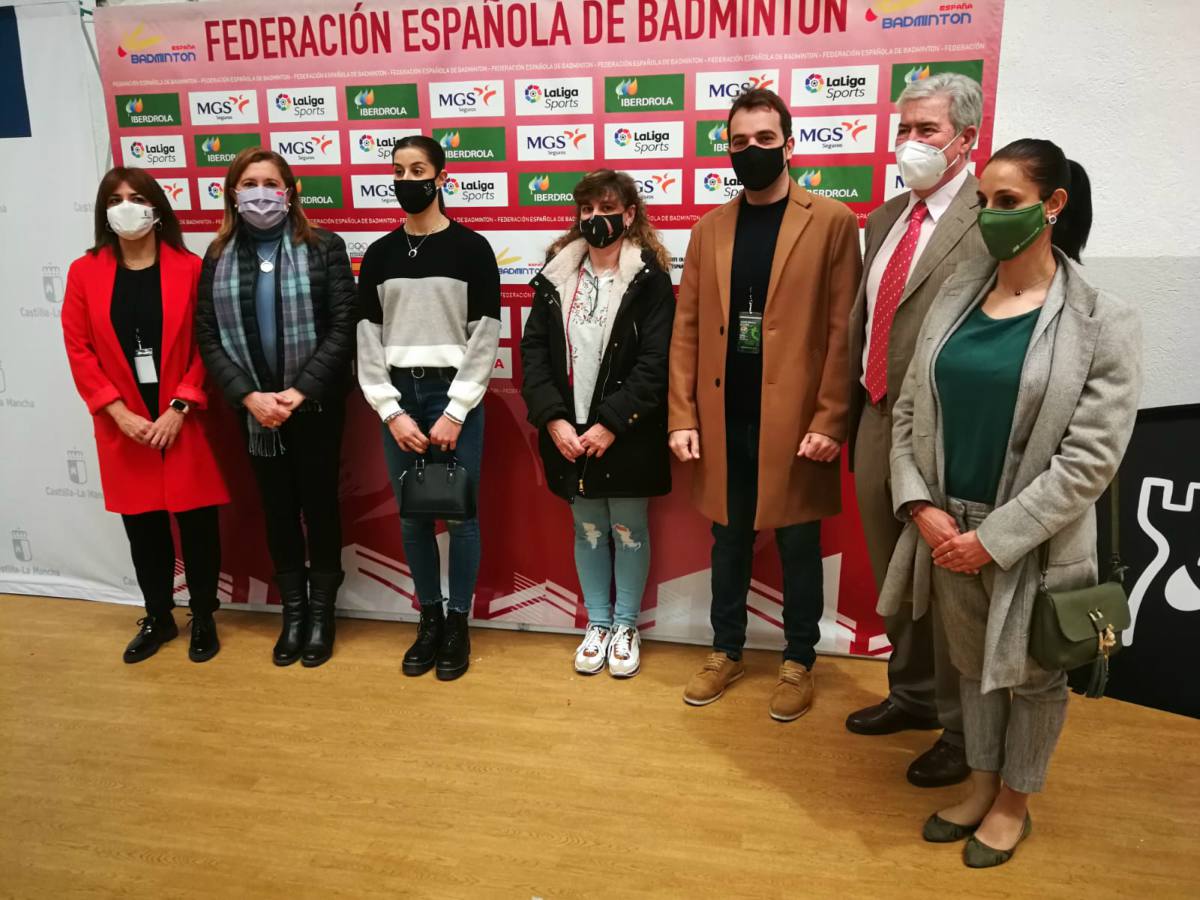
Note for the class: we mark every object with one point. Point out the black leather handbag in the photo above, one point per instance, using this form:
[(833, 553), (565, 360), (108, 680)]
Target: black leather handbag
[(440, 490)]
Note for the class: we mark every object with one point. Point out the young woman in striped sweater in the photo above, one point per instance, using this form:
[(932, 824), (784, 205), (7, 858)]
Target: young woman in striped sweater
[(427, 338)]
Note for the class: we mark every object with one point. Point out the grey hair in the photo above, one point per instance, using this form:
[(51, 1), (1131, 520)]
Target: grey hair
[(966, 97)]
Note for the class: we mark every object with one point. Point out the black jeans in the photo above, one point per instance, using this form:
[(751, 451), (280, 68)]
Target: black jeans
[(299, 491), (733, 554), (153, 552)]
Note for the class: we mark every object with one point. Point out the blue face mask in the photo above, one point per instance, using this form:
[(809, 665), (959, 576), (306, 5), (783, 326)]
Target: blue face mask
[(263, 207)]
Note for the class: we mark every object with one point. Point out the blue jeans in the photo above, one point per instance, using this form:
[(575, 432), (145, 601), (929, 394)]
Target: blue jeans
[(624, 518), (733, 556), (423, 396)]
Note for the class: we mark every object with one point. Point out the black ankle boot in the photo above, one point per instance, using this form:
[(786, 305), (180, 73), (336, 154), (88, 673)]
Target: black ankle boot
[(454, 654), (154, 632), (322, 598), (293, 592), (204, 643), (422, 655)]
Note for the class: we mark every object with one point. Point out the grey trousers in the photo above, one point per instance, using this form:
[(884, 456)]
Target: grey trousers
[(922, 680), (1010, 731)]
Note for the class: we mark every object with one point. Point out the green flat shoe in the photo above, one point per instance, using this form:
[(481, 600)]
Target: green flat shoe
[(978, 855), (940, 831)]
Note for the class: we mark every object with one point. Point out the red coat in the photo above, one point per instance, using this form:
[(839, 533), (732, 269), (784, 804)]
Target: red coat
[(137, 478)]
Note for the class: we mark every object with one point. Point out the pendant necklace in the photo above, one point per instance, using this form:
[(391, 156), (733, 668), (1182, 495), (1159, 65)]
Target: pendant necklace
[(412, 251), (267, 266)]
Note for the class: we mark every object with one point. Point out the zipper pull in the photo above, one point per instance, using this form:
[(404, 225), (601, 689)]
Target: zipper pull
[(581, 485)]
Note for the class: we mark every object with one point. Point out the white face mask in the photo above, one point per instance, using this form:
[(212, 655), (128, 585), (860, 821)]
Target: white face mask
[(921, 165), (131, 220)]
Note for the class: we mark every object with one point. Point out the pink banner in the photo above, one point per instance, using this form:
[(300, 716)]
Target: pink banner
[(525, 97)]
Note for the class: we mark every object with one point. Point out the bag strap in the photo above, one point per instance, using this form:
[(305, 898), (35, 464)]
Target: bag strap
[(1117, 569)]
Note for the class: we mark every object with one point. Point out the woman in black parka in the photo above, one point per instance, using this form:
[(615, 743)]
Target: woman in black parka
[(594, 363), (275, 323)]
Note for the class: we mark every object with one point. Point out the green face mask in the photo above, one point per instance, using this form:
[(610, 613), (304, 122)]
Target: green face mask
[(1009, 231)]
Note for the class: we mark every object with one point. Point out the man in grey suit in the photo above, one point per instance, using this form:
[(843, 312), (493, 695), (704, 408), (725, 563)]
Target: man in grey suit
[(913, 244)]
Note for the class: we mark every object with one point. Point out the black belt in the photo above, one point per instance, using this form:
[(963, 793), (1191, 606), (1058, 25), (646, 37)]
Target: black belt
[(420, 372)]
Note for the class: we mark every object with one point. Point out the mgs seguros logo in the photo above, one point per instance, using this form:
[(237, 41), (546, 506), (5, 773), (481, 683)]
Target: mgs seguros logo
[(383, 101), (718, 90), (455, 99), (223, 107), (147, 110), (643, 93), (301, 148), (555, 142), (834, 134), (659, 187)]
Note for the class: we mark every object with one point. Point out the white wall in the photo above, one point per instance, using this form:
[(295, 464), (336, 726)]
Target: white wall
[(1116, 84)]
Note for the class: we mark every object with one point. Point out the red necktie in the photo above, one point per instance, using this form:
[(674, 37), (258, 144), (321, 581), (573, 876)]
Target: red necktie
[(891, 288)]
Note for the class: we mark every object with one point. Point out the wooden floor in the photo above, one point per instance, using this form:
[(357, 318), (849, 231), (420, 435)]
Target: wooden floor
[(238, 779)]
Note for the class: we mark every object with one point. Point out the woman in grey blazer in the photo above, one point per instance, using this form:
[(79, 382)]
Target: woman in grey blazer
[(1012, 421)]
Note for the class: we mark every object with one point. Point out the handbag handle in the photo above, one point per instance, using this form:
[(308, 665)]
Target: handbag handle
[(1117, 568)]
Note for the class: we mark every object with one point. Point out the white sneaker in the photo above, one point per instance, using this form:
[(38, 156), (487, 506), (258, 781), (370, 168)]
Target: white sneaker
[(624, 652), (591, 654)]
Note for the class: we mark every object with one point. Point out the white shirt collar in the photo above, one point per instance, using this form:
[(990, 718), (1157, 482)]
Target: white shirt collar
[(939, 201)]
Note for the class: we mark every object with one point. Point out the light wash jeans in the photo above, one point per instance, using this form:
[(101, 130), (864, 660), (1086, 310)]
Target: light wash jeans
[(599, 525)]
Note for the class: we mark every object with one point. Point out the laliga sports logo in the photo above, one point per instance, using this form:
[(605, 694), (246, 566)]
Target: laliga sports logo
[(915, 74), (134, 106), (365, 98), (533, 93), (813, 83), (450, 140), (283, 102), (810, 179), (366, 143), (712, 182), (539, 184), (627, 88), (450, 188), (215, 190), (622, 137), (138, 149), (720, 132), (136, 41), (887, 7), (212, 145)]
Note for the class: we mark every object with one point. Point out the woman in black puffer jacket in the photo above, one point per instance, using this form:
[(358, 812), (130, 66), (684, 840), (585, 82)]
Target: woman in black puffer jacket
[(594, 364), (275, 321)]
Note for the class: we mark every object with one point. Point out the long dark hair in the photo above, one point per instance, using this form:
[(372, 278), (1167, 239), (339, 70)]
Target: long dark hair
[(1047, 166), (167, 230), (594, 187), (433, 152), (302, 231)]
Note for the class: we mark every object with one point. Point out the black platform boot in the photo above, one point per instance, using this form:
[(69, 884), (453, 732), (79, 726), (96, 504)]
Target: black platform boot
[(422, 655), (454, 654), (293, 592), (322, 598)]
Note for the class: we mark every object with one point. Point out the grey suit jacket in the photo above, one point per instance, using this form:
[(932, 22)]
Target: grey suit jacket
[(955, 239), (1074, 415)]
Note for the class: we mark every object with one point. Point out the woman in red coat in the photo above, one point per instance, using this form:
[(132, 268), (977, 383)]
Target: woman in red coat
[(127, 319)]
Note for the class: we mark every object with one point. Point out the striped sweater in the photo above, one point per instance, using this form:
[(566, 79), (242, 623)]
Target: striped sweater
[(440, 308)]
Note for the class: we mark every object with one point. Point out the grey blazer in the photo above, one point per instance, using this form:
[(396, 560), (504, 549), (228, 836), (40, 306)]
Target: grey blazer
[(1075, 411)]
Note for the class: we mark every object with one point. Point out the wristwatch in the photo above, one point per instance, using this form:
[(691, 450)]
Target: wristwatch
[(179, 406)]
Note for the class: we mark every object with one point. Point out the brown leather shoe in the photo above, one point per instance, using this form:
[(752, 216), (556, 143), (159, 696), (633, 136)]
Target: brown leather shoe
[(793, 695), (710, 682)]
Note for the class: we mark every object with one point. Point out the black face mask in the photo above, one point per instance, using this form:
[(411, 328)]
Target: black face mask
[(757, 167), (415, 196), (602, 231)]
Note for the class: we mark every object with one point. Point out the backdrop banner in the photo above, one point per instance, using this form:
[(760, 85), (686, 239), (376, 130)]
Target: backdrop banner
[(525, 97)]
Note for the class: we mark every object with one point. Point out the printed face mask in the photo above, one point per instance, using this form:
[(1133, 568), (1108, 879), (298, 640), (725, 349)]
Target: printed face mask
[(1009, 231), (262, 207), (603, 231), (131, 220), (415, 196)]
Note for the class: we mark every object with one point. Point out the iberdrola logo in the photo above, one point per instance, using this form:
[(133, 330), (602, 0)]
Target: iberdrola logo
[(366, 143), (622, 137), (138, 149), (720, 132), (533, 93), (915, 74), (450, 140), (627, 88), (539, 184), (810, 179), (887, 7), (134, 106), (450, 187), (813, 83), (212, 145), (712, 182), (365, 98), (215, 191), (283, 102)]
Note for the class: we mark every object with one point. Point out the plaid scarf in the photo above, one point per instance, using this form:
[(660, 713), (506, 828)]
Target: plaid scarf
[(298, 330)]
